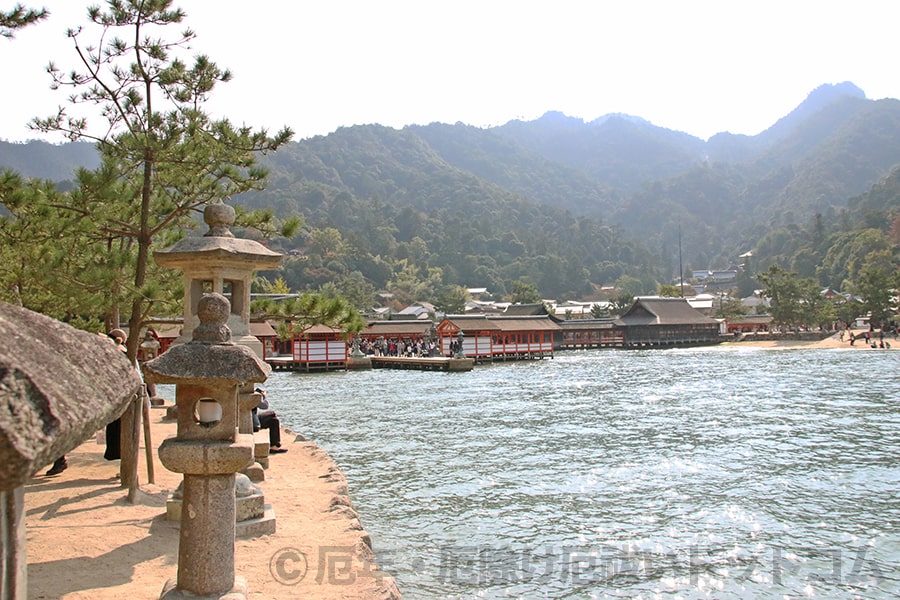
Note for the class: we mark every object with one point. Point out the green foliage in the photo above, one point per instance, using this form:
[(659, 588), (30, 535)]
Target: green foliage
[(56, 259), (668, 290), (423, 211), (629, 286), (410, 282), (524, 292), (161, 156), (354, 288), (847, 312), (599, 311), (877, 286), (794, 301), (728, 308), (484, 205), (279, 286), (452, 299), (825, 313), (620, 304), (302, 312), (19, 17)]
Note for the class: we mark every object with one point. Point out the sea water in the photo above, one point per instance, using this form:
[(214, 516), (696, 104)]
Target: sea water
[(694, 473)]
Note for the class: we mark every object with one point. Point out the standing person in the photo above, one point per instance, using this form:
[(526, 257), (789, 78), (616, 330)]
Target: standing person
[(265, 418), (113, 430)]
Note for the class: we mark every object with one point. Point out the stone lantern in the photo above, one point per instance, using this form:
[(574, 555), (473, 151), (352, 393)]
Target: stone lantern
[(208, 373), (358, 360), (460, 337), (219, 262)]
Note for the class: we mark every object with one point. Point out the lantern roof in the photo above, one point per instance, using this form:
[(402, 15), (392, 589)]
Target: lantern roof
[(218, 245), (210, 355)]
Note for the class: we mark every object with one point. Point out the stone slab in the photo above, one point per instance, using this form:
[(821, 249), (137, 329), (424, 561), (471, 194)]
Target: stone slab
[(359, 363), (264, 525), (240, 591), (249, 507), (255, 472)]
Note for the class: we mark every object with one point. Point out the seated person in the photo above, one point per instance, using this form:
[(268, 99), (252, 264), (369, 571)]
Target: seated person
[(264, 418)]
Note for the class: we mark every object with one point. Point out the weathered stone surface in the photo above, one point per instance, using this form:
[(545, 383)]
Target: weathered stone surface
[(13, 559), (246, 403), (246, 508), (182, 364), (210, 458), (255, 472), (238, 592), (359, 363), (210, 355), (256, 527), (206, 542), (58, 386), (218, 242)]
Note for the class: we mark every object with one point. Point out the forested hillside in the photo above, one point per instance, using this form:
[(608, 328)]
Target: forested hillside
[(403, 218), (866, 234), (47, 161), (570, 206), (621, 151)]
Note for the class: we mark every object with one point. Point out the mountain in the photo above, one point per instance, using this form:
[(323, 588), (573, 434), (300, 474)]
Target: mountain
[(879, 205), (48, 161), (620, 151), (809, 163), (834, 102), (493, 157), (392, 194), (564, 202)]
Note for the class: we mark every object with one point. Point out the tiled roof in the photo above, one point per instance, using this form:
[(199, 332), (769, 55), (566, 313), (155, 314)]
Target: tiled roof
[(587, 324), (525, 324), (537, 308), (663, 311)]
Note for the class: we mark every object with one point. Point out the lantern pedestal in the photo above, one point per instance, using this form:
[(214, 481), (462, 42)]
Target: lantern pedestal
[(208, 449)]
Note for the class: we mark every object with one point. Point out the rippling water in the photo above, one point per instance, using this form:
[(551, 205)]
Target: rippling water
[(723, 473)]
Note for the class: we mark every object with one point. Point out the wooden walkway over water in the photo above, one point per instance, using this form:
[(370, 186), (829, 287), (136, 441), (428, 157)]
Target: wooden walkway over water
[(436, 363), (286, 363)]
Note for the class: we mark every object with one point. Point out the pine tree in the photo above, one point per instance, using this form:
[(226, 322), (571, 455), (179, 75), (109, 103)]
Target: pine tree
[(19, 17), (162, 156)]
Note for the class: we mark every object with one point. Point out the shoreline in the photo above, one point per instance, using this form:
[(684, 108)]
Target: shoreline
[(84, 541), (832, 341)]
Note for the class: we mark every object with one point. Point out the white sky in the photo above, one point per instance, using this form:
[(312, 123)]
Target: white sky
[(696, 66)]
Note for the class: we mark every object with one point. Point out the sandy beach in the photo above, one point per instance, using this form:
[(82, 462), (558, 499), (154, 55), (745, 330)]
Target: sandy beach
[(84, 540), (832, 341)]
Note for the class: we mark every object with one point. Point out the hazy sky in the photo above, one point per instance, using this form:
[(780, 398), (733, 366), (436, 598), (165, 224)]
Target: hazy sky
[(695, 66)]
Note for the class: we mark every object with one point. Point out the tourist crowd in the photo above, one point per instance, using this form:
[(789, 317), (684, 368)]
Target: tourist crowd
[(399, 347)]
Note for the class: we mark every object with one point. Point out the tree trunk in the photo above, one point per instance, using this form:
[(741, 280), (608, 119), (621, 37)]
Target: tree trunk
[(130, 437)]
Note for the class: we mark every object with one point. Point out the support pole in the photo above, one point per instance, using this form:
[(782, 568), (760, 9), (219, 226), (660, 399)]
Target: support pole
[(13, 566), (131, 446), (148, 443)]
